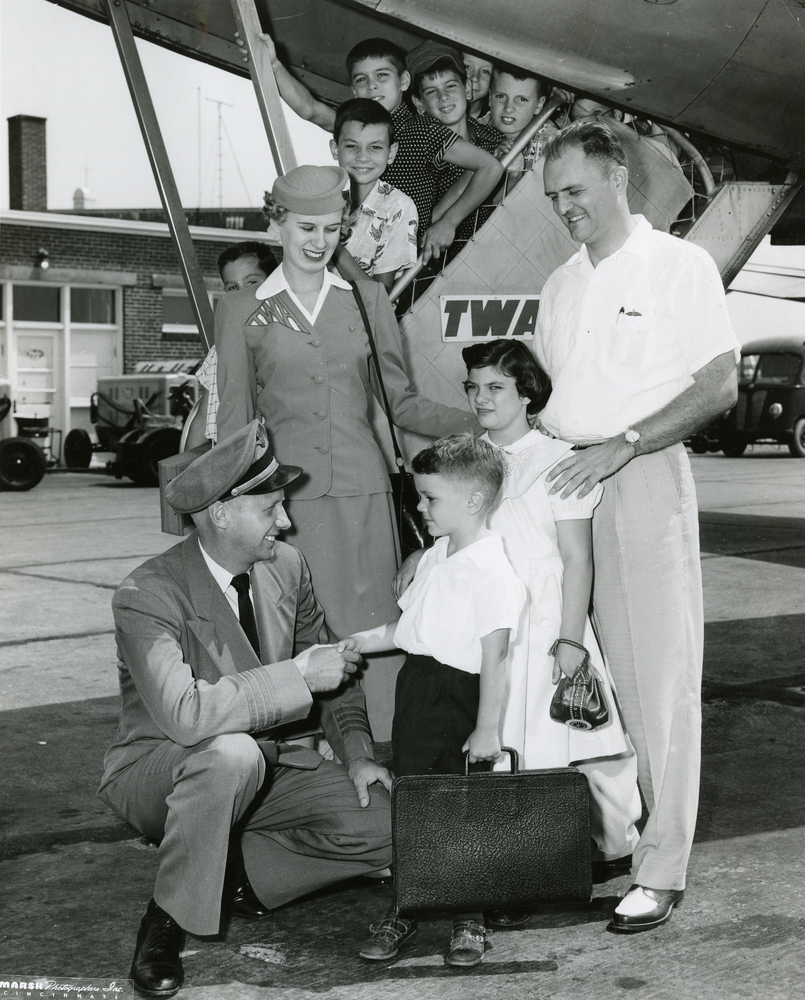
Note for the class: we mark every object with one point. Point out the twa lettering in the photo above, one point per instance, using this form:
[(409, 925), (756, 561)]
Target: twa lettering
[(488, 317)]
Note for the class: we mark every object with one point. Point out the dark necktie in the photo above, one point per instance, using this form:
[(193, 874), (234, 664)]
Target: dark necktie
[(246, 610)]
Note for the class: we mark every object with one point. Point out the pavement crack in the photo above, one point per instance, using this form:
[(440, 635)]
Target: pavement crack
[(20, 571), (55, 638), (92, 559)]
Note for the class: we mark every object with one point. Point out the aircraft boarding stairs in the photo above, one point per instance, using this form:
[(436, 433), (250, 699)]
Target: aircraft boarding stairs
[(492, 286)]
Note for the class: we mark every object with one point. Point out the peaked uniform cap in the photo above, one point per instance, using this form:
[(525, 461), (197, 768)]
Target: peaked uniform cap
[(242, 465)]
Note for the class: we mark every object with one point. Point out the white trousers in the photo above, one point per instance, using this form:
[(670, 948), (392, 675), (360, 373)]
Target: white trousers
[(647, 603)]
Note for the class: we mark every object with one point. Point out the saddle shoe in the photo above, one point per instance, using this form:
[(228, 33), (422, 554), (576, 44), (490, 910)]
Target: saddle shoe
[(642, 909), (157, 968), (604, 871)]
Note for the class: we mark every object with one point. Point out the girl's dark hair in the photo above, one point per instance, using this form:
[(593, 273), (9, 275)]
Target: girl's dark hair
[(512, 358), (266, 260)]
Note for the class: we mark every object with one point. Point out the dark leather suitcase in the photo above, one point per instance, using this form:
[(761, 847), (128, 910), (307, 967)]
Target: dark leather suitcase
[(169, 468), (494, 840)]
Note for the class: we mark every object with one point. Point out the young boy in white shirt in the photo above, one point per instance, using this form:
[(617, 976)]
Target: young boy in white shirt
[(458, 616)]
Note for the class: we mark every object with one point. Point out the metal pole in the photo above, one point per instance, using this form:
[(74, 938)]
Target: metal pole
[(160, 164), (268, 96), (220, 150)]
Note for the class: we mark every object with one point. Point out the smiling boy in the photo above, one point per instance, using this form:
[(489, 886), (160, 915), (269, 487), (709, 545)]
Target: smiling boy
[(382, 234), (440, 89), (479, 77), (377, 71), (514, 98)]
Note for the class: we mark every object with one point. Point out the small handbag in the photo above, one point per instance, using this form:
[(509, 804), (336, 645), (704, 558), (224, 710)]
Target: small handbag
[(411, 528), (579, 701)]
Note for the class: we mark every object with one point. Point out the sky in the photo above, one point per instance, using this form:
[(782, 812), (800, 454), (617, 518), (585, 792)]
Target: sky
[(61, 66)]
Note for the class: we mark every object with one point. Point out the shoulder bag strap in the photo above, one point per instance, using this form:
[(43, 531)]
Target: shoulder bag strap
[(399, 460)]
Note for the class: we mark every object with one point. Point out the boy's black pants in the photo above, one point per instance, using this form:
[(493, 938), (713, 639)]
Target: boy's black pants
[(435, 710)]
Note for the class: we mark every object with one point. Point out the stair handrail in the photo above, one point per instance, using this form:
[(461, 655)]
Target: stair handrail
[(518, 146), (696, 158)]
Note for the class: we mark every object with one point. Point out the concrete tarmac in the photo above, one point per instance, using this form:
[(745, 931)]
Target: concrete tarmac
[(74, 880)]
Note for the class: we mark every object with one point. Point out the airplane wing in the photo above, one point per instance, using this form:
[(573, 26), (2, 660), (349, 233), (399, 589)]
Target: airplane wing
[(731, 70)]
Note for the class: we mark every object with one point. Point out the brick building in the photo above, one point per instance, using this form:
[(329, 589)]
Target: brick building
[(85, 296)]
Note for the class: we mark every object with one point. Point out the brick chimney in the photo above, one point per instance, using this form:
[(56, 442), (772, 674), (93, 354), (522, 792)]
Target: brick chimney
[(27, 163)]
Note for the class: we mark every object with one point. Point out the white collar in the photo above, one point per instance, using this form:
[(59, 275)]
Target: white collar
[(372, 196), (221, 576), (276, 282), (528, 440), (632, 244)]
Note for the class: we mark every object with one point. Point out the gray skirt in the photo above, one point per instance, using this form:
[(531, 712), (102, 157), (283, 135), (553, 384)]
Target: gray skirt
[(350, 544)]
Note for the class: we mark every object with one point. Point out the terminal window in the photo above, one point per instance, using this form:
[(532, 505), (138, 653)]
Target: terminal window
[(37, 303), (177, 311), (92, 305)]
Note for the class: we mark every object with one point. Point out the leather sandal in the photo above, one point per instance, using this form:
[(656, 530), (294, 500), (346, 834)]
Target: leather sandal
[(467, 944), (387, 938)]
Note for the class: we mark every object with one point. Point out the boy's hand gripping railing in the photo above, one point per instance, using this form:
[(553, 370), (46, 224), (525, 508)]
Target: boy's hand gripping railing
[(519, 145)]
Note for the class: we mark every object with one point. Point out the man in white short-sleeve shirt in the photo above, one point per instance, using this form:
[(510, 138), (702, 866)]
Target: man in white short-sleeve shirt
[(634, 332)]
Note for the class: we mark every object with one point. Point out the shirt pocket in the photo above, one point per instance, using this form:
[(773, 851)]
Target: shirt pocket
[(632, 339)]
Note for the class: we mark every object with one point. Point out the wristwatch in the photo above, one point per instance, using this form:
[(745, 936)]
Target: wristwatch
[(633, 437)]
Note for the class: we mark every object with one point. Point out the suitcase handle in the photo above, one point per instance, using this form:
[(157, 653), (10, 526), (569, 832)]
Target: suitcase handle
[(514, 758)]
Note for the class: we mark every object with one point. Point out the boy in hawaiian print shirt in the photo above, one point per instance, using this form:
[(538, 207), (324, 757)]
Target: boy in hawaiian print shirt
[(382, 231)]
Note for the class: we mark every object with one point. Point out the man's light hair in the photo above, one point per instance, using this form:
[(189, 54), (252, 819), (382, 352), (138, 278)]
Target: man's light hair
[(596, 140)]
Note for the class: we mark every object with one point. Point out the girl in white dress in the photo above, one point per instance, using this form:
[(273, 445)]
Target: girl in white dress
[(548, 540)]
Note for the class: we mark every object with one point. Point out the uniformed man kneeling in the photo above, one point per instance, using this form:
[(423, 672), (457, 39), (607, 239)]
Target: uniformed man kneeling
[(220, 640)]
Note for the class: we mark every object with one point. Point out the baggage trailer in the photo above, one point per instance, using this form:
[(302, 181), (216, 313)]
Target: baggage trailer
[(23, 460), (139, 417)]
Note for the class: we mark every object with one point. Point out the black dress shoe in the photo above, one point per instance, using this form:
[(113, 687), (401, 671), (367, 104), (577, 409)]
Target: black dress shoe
[(157, 969), (375, 880), (244, 902), (603, 871), (659, 906), (240, 899), (503, 920)]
